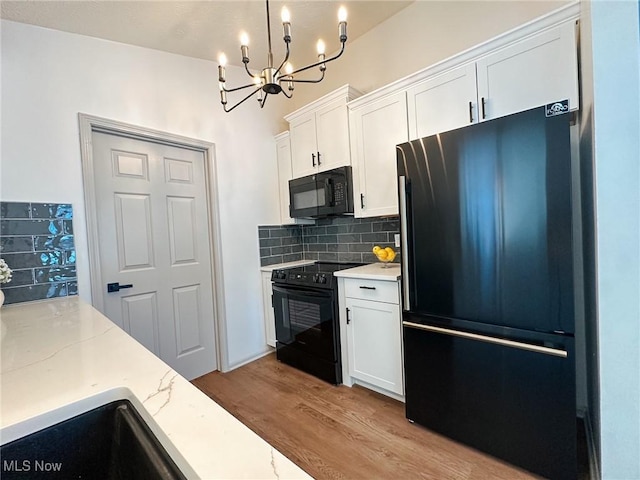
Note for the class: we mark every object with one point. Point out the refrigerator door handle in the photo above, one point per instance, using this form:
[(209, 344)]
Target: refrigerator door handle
[(402, 187), (483, 338)]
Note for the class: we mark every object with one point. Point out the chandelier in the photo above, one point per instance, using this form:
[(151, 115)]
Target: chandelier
[(270, 80)]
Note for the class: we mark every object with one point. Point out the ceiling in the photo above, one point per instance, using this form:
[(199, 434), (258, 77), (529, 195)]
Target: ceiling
[(203, 29)]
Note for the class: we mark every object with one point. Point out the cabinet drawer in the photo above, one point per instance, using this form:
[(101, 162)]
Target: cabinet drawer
[(376, 290)]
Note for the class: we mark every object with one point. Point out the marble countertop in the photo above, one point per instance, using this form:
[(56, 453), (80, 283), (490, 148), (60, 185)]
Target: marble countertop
[(61, 357), (372, 271), (270, 268)]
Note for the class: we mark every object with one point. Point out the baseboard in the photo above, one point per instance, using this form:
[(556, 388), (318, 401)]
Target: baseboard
[(594, 469), (249, 360)]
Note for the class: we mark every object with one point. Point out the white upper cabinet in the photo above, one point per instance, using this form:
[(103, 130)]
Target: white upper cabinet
[(531, 66), (376, 128), (320, 134), (444, 102), (304, 144), (538, 70), (283, 154), (525, 73)]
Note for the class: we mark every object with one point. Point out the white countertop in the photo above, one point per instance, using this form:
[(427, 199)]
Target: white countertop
[(372, 271), (61, 357), (270, 268)]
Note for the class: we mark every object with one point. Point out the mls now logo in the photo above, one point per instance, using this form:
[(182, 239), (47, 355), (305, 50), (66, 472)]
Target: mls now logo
[(557, 108), (28, 466)]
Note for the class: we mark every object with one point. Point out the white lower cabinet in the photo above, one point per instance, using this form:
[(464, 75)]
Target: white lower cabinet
[(373, 327), (269, 316)]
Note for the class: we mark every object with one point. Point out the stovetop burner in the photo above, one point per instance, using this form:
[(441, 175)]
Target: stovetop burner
[(318, 274)]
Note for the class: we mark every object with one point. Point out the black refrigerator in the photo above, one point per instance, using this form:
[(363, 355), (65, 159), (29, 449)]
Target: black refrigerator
[(488, 294)]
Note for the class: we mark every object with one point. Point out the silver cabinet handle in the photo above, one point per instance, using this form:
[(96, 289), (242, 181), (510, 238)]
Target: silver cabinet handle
[(483, 338)]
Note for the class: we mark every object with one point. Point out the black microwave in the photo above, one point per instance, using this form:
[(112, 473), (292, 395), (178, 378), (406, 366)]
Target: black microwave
[(323, 194)]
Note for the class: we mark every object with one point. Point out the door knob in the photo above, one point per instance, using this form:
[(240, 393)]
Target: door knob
[(116, 287)]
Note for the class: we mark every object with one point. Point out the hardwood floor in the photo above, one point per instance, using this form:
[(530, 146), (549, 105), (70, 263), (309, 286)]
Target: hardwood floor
[(337, 432)]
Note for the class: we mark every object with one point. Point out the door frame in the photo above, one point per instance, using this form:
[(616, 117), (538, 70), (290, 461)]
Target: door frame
[(90, 124)]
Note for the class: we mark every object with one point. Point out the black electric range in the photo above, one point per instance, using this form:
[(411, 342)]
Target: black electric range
[(317, 275), (305, 302)]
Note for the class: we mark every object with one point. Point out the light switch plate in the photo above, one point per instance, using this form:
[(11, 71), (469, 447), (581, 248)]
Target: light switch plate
[(397, 239)]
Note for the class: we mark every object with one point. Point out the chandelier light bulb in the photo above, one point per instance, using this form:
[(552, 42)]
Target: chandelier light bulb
[(286, 25), (288, 70), (222, 61), (285, 15), (320, 47), (342, 26), (244, 47), (342, 14)]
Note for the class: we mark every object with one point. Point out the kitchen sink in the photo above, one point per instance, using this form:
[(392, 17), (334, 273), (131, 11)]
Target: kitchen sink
[(111, 441)]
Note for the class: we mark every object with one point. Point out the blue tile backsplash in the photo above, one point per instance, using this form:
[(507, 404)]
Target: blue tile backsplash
[(339, 239), (36, 241)]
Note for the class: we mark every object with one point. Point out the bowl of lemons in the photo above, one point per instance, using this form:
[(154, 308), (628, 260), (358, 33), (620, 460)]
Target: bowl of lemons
[(385, 255)]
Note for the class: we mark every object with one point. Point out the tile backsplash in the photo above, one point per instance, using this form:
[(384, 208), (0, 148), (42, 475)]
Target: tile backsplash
[(338, 239), (36, 241)]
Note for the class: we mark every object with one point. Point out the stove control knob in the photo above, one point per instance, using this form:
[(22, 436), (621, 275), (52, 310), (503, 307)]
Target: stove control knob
[(316, 278), (323, 278)]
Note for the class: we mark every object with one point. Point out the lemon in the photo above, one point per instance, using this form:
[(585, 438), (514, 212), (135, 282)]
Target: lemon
[(382, 254), (376, 248), (391, 256), (389, 250)]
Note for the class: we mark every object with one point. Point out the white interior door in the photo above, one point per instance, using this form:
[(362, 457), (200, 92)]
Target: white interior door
[(154, 241)]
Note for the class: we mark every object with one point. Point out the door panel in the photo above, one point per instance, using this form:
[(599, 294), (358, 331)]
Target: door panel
[(374, 343), (140, 319), (303, 144), (443, 103), (515, 404), (132, 165), (186, 303), (182, 230), (377, 129), (332, 130), (133, 230), (539, 70), (178, 171), (154, 234)]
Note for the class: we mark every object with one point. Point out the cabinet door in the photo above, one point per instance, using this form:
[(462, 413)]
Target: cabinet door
[(269, 316), (332, 130), (303, 145), (376, 129), (374, 343), (443, 103), (283, 152), (539, 70)]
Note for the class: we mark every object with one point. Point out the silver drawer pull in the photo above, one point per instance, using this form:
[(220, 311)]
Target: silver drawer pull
[(483, 338), (367, 288)]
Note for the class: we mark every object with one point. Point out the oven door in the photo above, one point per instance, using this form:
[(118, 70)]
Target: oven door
[(306, 320)]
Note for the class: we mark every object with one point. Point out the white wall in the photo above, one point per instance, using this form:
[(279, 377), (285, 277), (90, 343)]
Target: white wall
[(50, 76), (615, 43)]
